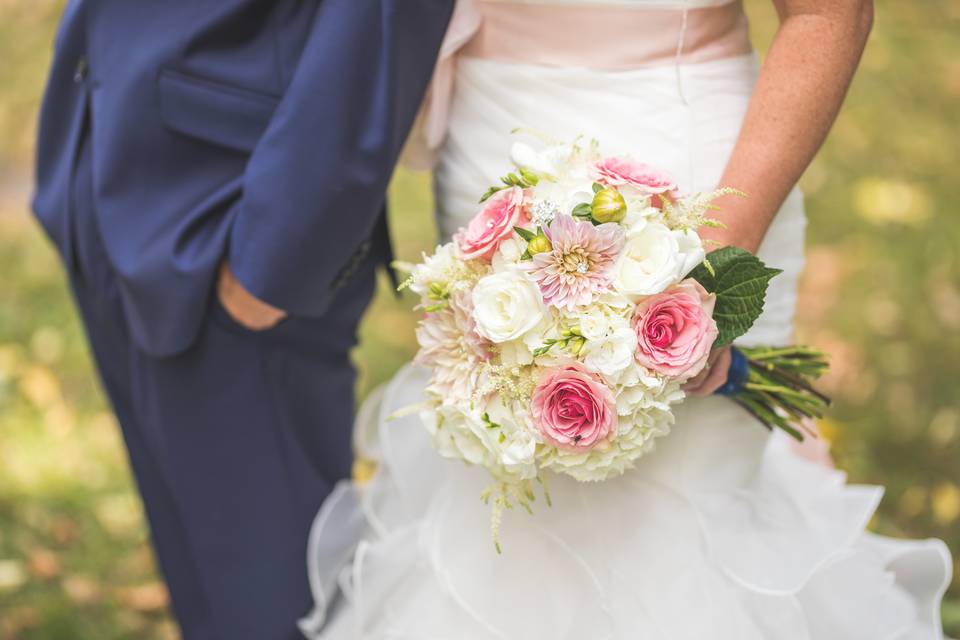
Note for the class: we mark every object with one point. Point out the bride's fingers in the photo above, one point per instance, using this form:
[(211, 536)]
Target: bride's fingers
[(718, 374), (714, 377), (694, 383)]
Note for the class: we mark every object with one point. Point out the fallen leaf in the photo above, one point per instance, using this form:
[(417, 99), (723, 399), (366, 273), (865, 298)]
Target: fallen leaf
[(885, 201), (40, 386), (946, 503), (44, 564), (12, 575), (151, 596), (81, 590)]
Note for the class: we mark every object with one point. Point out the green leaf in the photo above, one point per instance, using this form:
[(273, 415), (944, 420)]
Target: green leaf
[(490, 192), (740, 280), (583, 210), (597, 187), (523, 233)]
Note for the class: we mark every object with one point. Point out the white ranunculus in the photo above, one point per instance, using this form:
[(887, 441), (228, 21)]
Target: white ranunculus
[(655, 258), (691, 248), (506, 306), (548, 161), (508, 254), (565, 193), (611, 354)]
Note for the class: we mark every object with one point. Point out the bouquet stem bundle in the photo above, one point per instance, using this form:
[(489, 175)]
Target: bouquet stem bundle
[(775, 384)]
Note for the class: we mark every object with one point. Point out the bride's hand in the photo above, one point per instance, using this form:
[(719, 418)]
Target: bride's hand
[(713, 376)]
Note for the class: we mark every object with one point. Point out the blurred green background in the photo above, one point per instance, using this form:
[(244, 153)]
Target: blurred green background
[(881, 294)]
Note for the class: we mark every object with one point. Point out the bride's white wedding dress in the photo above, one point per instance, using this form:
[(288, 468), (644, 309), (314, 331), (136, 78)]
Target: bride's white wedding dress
[(722, 532)]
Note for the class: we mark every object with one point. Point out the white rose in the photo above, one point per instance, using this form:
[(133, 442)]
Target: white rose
[(613, 353), (655, 258), (506, 306)]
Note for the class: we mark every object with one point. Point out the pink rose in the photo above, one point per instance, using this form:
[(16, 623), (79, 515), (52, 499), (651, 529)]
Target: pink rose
[(615, 172), (493, 225), (675, 330), (572, 408)]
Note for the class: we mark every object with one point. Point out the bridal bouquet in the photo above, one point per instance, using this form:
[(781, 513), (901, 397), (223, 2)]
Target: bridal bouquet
[(561, 323)]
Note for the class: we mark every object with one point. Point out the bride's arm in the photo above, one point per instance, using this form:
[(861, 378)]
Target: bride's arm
[(798, 94)]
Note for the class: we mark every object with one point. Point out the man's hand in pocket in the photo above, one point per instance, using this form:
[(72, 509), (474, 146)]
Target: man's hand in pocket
[(243, 307)]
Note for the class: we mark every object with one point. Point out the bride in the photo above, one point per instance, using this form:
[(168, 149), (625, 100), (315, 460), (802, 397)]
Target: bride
[(723, 532)]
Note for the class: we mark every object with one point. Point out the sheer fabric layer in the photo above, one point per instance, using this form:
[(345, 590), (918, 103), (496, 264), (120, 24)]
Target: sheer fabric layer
[(724, 535)]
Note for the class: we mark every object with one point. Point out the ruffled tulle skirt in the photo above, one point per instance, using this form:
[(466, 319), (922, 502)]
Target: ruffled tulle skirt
[(721, 533)]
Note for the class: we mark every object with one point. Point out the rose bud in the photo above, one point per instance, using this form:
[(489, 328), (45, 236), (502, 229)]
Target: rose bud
[(539, 244), (608, 206)]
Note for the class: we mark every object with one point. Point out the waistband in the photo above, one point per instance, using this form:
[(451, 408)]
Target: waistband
[(607, 38)]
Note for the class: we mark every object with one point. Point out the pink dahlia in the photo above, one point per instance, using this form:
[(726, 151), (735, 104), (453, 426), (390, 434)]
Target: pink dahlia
[(451, 347), (577, 267)]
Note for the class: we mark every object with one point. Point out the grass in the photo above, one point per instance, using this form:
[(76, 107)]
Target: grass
[(881, 294)]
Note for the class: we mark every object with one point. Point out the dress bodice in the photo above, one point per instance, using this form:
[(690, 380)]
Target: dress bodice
[(640, 4)]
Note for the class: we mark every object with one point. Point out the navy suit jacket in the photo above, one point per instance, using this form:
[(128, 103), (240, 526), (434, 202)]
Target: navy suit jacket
[(262, 131)]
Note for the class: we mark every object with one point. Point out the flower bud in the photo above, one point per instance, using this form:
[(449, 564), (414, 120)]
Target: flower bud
[(576, 345), (608, 206), (539, 244)]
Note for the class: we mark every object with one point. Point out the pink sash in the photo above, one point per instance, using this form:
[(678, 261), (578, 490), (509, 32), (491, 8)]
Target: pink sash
[(604, 38)]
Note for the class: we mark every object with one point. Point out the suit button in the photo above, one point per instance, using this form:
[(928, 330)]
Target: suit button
[(80, 73)]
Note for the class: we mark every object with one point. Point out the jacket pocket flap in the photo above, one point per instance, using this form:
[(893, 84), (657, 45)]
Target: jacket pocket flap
[(222, 114)]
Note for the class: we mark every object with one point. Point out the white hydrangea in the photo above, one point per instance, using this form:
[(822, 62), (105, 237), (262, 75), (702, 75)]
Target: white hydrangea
[(498, 438)]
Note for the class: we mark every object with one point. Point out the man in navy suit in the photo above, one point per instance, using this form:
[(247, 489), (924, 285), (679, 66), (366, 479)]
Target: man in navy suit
[(213, 173)]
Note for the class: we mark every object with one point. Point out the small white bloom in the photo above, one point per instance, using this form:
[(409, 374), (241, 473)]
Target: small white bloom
[(515, 353), (436, 268), (508, 254), (656, 258), (565, 193), (594, 323), (549, 161), (543, 212), (611, 354), (457, 434), (506, 306)]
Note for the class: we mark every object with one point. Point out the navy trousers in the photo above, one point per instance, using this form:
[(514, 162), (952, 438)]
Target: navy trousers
[(234, 443)]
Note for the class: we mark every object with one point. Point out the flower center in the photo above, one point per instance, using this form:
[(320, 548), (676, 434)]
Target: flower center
[(575, 261)]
